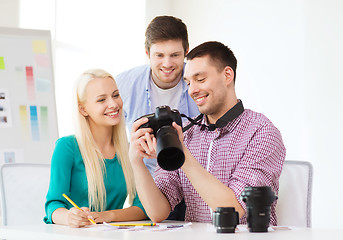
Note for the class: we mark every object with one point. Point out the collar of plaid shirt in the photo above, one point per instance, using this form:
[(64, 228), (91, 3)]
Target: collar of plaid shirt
[(230, 115)]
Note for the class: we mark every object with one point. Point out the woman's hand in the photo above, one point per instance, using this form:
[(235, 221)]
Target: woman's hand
[(100, 217), (143, 142), (77, 218)]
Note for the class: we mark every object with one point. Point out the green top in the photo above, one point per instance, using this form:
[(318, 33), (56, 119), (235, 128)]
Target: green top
[(68, 175)]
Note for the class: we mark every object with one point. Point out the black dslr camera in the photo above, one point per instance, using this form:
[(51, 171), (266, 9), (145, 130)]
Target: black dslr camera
[(169, 150)]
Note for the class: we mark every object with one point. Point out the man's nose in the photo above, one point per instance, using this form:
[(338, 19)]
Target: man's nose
[(167, 62), (192, 89)]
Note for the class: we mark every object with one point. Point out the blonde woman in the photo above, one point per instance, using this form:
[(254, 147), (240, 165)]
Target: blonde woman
[(92, 167)]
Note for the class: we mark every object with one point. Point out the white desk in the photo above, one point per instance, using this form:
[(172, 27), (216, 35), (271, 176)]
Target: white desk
[(197, 231)]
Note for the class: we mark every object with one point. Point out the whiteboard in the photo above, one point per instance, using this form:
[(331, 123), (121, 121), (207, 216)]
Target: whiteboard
[(28, 121)]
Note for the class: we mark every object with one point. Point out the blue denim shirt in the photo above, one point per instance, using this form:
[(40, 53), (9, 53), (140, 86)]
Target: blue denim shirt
[(134, 88)]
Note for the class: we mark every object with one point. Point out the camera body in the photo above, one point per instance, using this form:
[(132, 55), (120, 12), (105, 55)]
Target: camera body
[(163, 116), (258, 201), (225, 219), (169, 150)]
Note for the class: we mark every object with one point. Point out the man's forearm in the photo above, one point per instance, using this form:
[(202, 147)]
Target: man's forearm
[(154, 202), (211, 190)]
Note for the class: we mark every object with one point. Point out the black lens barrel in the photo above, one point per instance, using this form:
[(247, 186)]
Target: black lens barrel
[(225, 219), (258, 201), (169, 150)]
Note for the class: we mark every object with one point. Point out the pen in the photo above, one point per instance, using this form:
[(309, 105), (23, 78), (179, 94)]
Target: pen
[(132, 224), (72, 203)]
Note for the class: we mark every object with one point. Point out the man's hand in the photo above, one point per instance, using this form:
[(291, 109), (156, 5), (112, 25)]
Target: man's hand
[(143, 142), (179, 132)]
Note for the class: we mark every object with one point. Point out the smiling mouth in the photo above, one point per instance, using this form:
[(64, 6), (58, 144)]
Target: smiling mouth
[(167, 71), (112, 114), (199, 100)]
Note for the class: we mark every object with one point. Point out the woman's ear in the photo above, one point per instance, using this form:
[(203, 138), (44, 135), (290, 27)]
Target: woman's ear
[(82, 110)]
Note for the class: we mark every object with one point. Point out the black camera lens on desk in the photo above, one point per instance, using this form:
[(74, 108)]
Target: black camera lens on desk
[(169, 150), (258, 201), (225, 219)]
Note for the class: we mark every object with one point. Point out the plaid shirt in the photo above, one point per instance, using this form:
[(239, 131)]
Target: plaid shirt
[(248, 151)]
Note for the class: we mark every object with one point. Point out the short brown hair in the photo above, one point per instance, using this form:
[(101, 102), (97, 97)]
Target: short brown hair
[(219, 54), (163, 28)]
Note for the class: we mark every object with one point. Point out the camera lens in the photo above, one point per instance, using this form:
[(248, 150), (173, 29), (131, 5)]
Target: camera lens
[(169, 150), (225, 219), (258, 201)]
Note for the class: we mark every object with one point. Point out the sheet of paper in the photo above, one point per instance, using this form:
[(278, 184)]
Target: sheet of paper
[(158, 227)]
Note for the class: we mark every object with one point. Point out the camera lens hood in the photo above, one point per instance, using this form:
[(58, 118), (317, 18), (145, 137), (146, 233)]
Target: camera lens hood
[(263, 195)]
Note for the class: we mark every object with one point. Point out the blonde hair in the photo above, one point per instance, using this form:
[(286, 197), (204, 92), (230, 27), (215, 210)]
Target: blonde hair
[(92, 157)]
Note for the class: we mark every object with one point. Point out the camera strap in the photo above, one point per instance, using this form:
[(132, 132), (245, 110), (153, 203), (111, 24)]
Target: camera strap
[(195, 121), (230, 115)]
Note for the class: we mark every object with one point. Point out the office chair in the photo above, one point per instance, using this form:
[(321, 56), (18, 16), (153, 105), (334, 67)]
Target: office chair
[(295, 193), (23, 190)]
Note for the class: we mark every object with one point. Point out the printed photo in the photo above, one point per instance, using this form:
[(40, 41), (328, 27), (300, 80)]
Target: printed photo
[(9, 157), (3, 119)]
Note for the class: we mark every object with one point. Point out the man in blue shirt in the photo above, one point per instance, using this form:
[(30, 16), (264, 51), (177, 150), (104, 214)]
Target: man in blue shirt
[(146, 87)]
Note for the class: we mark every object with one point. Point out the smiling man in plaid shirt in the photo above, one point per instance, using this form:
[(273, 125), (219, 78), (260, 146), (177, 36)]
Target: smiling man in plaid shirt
[(226, 148)]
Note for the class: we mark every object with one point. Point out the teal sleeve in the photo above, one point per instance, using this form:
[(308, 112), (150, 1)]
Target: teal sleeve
[(137, 203), (60, 176)]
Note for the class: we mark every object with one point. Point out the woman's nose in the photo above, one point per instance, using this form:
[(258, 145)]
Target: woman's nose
[(112, 103)]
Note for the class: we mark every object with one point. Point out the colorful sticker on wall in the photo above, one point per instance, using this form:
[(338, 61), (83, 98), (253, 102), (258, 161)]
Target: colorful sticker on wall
[(44, 126), (34, 123), (24, 121), (20, 74), (30, 83), (43, 85), (2, 63), (39, 46), (5, 109), (42, 60)]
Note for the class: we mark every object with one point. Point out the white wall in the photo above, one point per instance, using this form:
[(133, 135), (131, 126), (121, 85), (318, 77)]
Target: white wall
[(323, 111), (103, 34), (289, 68), (9, 14)]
